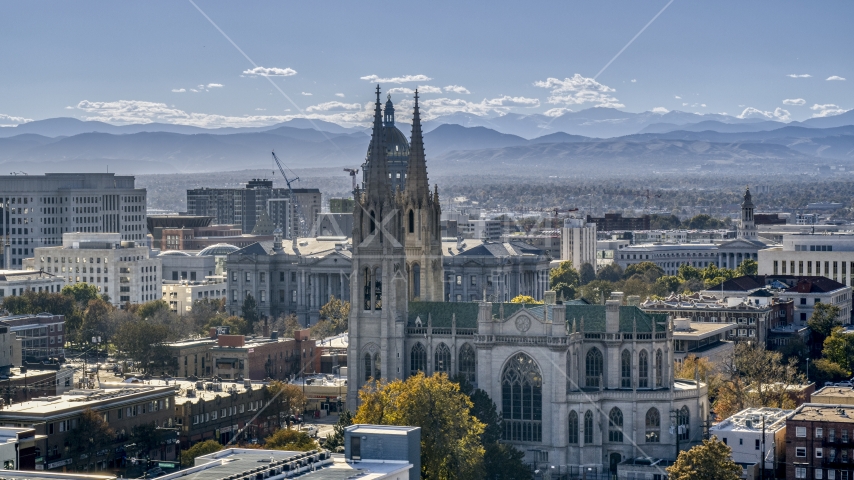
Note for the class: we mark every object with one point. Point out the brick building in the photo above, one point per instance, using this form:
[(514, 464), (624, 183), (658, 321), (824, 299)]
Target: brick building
[(820, 442), (239, 357), (42, 336)]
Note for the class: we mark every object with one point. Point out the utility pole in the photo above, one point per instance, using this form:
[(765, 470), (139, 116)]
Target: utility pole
[(762, 458)]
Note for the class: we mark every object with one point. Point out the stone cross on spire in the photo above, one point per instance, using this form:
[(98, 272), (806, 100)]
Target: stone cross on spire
[(417, 186)]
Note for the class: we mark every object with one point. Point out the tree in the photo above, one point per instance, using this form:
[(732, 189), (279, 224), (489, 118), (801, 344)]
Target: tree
[(450, 435), (284, 400), (504, 462), (586, 274), (146, 437), (337, 312), (189, 456), (687, 272), (647, 270), (839, 349), (95, 319), (152, 309), (291, 325), (287, 439), (668, 284), (611, 273), (249, 312), (823, 320), (81, 292), (237, 326), (142, 341), (825, 370), (703, 222), (703, 368), (564, 280), (336, 439), (91, 435), (597, 291), (526, 299), (747, 267), (204, 310), (710, 461)]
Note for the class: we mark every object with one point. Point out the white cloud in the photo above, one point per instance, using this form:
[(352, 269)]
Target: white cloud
[(634, 80), (307, 94), (69, 107), (556, 112), (259, 109), (327, 106), (778, 114), (702, 104), (421, 89), (194, 90), (835, 77), (795, 75), (179, 90), (826, 110), (508, 101), (457, 89), (270, 72), (794, 101), (403, 79), (214, 85), (677, 97), (578, 90), (136, 111), (403, 90), (10, 121), (660, 110), (339, 95)]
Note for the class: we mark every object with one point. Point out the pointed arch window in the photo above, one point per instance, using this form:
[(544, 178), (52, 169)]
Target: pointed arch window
[(468, 363), (626, 369), (615, 425), (416, 280), (373, 225), (522, 400), (573, 428), (378, 288), (653, 426), (643, 369), (442, 358), (368, 288), (417, 359), (593, 368), (378, 372), (683, 419), (588, 427), (369, 367), (411, 221), (659, 368)]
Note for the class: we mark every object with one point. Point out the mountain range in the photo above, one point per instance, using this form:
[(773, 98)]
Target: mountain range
[(586, 141)]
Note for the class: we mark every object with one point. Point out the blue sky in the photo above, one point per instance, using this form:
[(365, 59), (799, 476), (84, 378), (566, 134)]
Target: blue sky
[(128, 62)]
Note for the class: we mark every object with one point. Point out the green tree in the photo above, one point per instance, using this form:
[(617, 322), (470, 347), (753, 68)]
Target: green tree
[(823, 320), (647, 270), (152, 309), (586, 274), (825, 370), (337, 313), (747, 267), (146, 437), (188, 457), (664, 222), (287, 439), (237, 325), (668, 283), (611, 273), (526, 299), (95, 319), (91, 435), (710, 461), (703, 222), (839, 349), (284, 399), (290, 326), (596, 291), (504, 462), (249, 312), (336, 438), (564, 280), (142, 341), (450, 434), (81, 292), (687, 272)]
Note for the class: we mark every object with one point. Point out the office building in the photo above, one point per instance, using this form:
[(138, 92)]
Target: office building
[(42, 336), (239, 357), (35, 210), (578, 242), (16, 282), (615, 222), (121, 269), (828, 255)]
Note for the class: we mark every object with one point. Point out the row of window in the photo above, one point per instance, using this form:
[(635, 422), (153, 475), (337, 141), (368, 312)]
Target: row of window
[(831, 269), (594, 364), (226, 412), (818, 474), (801, 432)]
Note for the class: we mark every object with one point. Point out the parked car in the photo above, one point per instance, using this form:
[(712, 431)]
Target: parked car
[(845, 384), (154, 472), (311, 430)]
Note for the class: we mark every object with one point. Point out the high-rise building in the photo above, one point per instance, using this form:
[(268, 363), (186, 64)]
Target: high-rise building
[(35, 210), (247, 206), (578, 242)]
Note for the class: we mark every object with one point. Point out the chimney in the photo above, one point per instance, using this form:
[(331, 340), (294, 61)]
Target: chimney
[(550, 297)]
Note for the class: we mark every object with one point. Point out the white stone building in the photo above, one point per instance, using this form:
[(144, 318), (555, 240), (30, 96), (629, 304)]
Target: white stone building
[(16, 282), (578, 242), (742, 432), (829, 255), (121, 269)]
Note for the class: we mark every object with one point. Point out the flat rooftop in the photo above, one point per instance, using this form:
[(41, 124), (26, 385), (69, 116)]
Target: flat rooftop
[(750, 420), (833, 395), (80, 399), (817, 412), (209, 391), (700, 330)]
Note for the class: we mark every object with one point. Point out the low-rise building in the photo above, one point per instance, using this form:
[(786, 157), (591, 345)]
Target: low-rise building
[(743, 433), (707, 340), (123, 406), (16, 282), (191, 357), (17, 449), (239, 357), (182, 295), (120, 269), (324, 393), (833, 396), (42, 336), (819, 442)]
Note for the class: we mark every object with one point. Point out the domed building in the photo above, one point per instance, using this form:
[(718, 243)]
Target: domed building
[(396, 147)]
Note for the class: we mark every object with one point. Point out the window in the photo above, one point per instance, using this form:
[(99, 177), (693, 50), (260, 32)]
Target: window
[(800, 451), (626, 369), (442, 358), (593, 367), (573, 428), (417, 359), (474, 279), (818, 452), (682, 420), (522, 400), (819, 432), (818, 474), (659, 368), (459, 280), (588, 427), (653, 426), (411, 221), (643, 369), (468, 363), (615, 425), (800, 472)]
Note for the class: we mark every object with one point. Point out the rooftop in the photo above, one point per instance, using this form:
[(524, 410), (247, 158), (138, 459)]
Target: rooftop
[(817, 412), (700, 330), (208, 391), (750, 420), (833, 395), (79, 399)]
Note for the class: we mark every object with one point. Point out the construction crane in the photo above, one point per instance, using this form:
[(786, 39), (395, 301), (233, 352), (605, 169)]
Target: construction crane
[(302, 229), (353, 173)]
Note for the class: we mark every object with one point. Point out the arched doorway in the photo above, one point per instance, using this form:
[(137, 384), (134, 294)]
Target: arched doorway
[(613, 460)]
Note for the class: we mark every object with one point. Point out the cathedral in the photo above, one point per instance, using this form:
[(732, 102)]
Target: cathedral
[(585, 389)]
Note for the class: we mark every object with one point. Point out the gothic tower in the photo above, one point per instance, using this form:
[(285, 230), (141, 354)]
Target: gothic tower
[(746, 228), (378, 282), (421, 217)]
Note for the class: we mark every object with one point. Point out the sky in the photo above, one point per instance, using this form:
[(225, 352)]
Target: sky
[(172, 61)]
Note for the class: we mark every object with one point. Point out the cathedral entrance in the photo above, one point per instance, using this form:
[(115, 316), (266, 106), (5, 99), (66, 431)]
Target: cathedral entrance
[(614, 459)]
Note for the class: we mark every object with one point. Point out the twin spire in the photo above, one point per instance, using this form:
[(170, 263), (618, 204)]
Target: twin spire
[(378, 183)]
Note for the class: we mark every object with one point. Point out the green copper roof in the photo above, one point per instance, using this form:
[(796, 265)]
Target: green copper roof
[(441, 313)]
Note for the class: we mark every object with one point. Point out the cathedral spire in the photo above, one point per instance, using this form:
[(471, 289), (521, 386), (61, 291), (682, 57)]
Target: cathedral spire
[(377, 183), (417, 186)]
